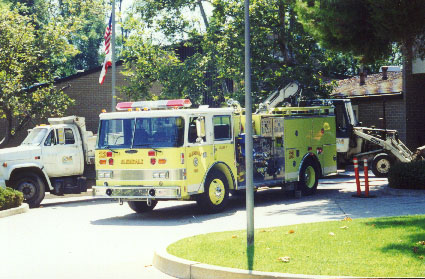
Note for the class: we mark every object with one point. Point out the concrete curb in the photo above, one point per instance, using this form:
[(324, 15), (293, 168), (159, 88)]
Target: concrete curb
[(16, 210), (186, 269), (403, 192)]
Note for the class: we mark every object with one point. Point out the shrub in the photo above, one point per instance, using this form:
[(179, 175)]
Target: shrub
[(407, 175), (10, 198)]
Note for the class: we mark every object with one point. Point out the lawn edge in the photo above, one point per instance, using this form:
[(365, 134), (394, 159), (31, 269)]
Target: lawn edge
[(185, 269)]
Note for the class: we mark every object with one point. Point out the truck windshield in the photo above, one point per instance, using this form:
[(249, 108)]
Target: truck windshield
[(141, 133), (35, 136)]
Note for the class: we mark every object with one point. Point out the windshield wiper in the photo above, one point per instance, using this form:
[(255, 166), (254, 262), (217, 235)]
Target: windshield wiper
[(147, 145), (110, 149)]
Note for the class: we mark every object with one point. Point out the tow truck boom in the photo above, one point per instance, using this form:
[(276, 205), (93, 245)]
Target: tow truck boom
[(391, 143)]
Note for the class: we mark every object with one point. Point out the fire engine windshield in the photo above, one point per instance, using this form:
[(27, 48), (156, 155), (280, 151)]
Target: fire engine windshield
[(35, 136), (141, 133)]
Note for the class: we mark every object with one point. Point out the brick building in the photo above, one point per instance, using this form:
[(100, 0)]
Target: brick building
[(397, 102)]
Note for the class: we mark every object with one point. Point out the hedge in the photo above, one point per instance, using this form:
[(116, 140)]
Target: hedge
[(10, 198), (407, 175)]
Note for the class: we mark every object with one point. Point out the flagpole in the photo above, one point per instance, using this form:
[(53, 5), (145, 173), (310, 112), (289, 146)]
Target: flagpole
[(113, 103)]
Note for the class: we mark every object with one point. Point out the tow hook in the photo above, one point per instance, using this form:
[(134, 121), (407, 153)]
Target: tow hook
[(149, 202)]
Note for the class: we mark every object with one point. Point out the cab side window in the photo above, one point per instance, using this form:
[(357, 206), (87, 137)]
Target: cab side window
[(51, 139), (222, 128), (69, 136), (193, 130)]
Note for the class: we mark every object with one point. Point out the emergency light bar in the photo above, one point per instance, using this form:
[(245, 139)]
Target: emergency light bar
[(162, 104)]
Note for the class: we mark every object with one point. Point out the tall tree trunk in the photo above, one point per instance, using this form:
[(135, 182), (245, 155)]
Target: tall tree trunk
[(283, 37), (223, 81), (204, 16)]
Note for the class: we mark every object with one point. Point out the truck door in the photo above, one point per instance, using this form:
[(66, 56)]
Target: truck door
[(344, 119), (224, 148), (62, 153), (198, 152)]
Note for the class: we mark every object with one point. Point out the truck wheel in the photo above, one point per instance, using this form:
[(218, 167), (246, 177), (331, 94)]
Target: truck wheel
[(32, 187), (309, 178), (216, 193), (142, 206), (381, 165)]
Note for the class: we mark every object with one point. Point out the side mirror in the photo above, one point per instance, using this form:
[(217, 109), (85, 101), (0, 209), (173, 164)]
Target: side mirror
[(200, 128)]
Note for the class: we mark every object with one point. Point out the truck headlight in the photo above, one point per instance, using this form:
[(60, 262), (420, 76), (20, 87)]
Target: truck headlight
[(161, 174), (104, 174)]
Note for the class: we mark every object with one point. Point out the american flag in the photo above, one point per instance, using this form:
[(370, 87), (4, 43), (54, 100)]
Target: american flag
[(108, 57)]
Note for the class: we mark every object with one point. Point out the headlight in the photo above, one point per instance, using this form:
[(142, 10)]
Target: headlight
[(161, 174), (104, 174)]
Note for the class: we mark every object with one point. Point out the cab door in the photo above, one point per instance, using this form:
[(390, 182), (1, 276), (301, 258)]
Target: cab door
[(62, 153), (198, 152), (224, 148)]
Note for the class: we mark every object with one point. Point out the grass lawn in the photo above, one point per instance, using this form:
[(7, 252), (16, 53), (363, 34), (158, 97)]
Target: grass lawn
[(379, 247)]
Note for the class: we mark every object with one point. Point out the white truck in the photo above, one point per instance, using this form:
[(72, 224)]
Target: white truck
[(53, 158)]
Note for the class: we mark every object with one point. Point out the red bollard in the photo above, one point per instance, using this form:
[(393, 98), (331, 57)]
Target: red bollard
[(366, 179), (356, 172)]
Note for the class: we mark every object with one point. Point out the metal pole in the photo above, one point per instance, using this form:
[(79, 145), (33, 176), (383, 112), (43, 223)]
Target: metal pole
[(248, 134), (113, 102)]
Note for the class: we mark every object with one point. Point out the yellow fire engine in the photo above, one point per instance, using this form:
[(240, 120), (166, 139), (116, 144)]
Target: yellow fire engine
[(153, 151)]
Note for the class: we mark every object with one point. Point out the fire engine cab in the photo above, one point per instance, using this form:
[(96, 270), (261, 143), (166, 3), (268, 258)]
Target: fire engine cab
[(154, 151)]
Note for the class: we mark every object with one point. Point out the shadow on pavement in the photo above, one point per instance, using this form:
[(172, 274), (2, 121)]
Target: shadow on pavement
[(188, 212)]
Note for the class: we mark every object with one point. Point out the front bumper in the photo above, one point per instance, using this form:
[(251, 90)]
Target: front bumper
[(2, 183), (137, 192)]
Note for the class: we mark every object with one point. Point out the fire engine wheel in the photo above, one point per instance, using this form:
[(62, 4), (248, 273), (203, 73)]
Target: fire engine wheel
[(381, 165), (32, 187), (309, 178), (216, 193), (142, 206)]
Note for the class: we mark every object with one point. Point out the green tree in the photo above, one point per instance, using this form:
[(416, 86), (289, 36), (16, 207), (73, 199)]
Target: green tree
[(281, 50), (28, 59), (85, 19), (366, 28)]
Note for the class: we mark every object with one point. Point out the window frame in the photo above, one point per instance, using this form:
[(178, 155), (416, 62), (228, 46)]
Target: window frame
[(223, 140), (193, 117), (73, 135), (53, 131)]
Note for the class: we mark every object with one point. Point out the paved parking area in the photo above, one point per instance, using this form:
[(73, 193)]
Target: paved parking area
[(78, 237)]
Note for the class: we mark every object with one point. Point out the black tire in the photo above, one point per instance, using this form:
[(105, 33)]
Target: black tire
[(309, 178), (33, 188), (142, 206), (381, 164), (216, 193)]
